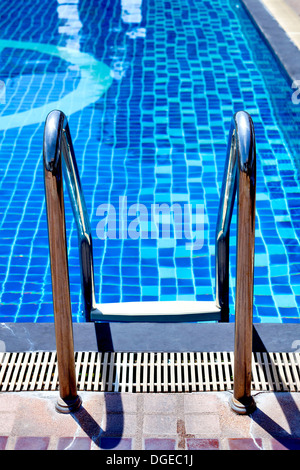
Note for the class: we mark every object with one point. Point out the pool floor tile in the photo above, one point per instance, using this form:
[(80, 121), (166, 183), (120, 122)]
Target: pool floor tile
[(77, 443), (159, 444), (202, 444), (287, 443), (163, 403), (160, 424), (198, 403), (115, 443), (32, 443), (203, 424), (3, 441), (244, 444)]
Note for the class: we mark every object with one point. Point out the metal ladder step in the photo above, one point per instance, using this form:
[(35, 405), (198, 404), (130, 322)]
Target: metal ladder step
[(158, 311)]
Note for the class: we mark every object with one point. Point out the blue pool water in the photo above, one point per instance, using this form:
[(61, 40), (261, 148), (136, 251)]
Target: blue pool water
[(149, 88)]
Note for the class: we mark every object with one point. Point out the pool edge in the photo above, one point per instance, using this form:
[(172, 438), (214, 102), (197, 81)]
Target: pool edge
[(150, 337), (284, 50)]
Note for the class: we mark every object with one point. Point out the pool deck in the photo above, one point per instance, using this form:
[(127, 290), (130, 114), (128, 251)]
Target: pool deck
[(149, 421), (165, 421)]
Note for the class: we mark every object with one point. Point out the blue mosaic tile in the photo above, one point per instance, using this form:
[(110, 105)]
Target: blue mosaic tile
[(158, 135)]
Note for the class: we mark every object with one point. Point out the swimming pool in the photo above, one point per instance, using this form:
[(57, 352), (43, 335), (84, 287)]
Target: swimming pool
[(149, 88)]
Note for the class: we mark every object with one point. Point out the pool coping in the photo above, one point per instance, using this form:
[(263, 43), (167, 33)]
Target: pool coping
[(149, 337), (283, 48)]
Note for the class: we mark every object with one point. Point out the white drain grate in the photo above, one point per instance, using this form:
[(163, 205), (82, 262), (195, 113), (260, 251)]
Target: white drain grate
[(148, 372)]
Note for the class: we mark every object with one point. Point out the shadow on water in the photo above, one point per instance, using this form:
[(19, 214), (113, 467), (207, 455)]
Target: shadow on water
[(104, 337)]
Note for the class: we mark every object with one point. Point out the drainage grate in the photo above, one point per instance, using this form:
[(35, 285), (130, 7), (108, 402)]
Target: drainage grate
[(148, 372)]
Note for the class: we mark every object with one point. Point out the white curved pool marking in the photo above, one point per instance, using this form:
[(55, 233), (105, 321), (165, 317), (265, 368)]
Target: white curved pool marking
[(94, 81)]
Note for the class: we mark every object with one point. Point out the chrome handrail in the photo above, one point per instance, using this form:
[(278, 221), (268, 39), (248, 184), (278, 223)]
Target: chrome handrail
[(57, 143), (59, 159), (239, 178)]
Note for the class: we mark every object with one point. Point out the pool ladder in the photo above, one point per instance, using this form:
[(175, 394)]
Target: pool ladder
[(239, 179)]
